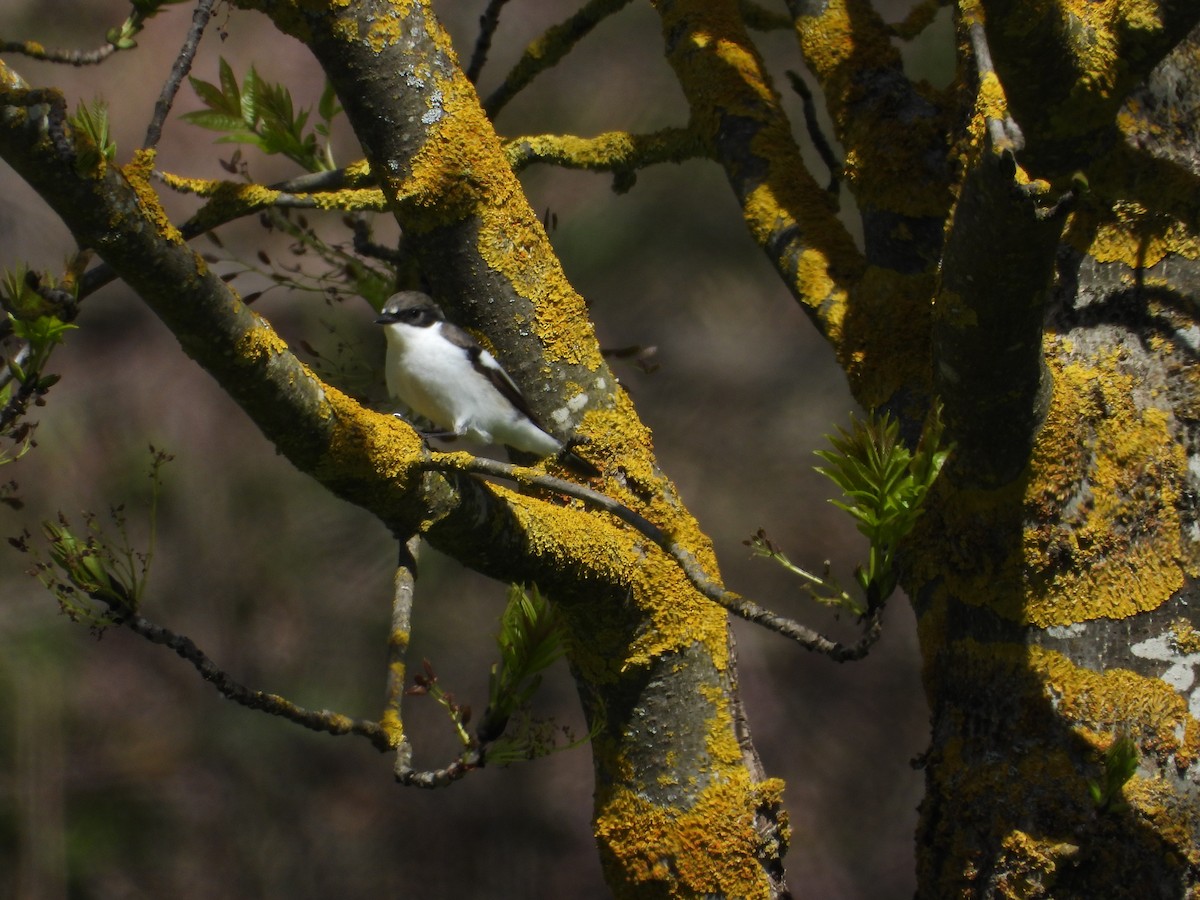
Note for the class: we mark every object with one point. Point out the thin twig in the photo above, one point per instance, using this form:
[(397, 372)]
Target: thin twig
[(479, 465), (316, 720), (488, 23), (183, 65), (212, 215), (546, 51), (34, 50), (917, 20), (733, 602), (364, 246), (398, 640), (816, 134), (760, 18), (437, 778)]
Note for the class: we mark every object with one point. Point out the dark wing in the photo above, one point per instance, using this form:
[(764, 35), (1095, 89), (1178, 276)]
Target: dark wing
[(487, 366)]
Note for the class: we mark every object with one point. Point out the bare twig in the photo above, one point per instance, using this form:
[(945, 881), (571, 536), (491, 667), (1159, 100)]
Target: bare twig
[(917, 20), (816, 134), (316, 720), (711, 589), (546, 51), (183, 65), (34, 50), (760, 18), (437, 778), (488, 23), (364, 246), (398, 640)]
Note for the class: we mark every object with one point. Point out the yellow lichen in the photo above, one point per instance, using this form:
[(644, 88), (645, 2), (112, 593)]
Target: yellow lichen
[(711, 847), (1154, 714), (138, 172), (1028, 865), (886, 334), (1185, 637), (1140, 239), (1091, 530), (260, 343), (1109, 471)]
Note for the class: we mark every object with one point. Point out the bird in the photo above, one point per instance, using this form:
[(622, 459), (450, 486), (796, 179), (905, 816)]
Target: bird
[(442, 374)]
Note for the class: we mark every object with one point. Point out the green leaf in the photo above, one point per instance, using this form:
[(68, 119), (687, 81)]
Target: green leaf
[(250, 93), (216, 120), (884, 487), (229, 86), (530, 640), (212, 97), (327, 106)]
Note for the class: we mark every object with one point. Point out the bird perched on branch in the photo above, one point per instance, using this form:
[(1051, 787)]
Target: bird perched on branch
[(441, 373)]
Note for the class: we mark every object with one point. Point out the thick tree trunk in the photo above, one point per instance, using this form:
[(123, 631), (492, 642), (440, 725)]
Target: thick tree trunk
[(1055, 585)]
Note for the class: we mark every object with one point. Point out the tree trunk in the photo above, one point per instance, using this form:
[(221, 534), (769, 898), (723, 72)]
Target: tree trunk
[(1054, 578)]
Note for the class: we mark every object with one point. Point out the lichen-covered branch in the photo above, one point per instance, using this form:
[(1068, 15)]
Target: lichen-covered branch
[(616, 151), (640, 636), (997, 270), (737, 115), (1067, 72)]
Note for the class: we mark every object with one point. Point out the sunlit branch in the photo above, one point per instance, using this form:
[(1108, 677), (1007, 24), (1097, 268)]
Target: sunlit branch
[(711, 589), (230, 200), (619, 152)]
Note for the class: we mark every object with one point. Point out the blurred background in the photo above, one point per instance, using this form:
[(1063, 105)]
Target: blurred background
[(123, 775)]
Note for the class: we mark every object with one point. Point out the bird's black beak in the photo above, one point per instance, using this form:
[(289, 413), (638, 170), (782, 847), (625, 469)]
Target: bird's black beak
[(386, 319)]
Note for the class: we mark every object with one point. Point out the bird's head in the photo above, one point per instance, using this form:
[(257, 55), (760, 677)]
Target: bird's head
[(410, 308)]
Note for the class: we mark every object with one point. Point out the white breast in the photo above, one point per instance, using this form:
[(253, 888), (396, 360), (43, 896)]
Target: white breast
[(438, 381)]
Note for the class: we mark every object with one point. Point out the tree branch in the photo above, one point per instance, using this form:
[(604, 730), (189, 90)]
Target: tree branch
[(710, 587), (738, 116), (488, 23), (549, 49), (615, 151), (77, 58), (182, 65)]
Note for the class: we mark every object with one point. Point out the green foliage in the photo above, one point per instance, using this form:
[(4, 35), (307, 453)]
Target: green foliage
[(42, 335), (37, 332), (530, 640), (123, 37), (1120, 764), (528, 737), (885, 485), (97, 577), (823, 588), (91, 119), (262, 114)]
